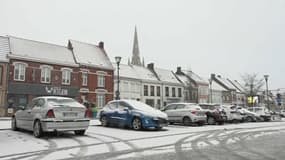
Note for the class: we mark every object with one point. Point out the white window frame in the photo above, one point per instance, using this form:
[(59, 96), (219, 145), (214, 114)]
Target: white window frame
[(46, 73), (21, 67), (101, 81), (100, 100), (84, 78), (66, 76)]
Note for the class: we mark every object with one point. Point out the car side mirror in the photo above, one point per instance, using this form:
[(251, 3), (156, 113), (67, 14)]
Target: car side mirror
[(126, 109), (22, 107)]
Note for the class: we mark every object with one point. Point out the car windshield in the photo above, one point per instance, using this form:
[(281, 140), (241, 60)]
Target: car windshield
[(140, 106), (62, 102)]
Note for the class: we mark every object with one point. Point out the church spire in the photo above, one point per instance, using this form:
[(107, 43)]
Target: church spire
[(136, 53)]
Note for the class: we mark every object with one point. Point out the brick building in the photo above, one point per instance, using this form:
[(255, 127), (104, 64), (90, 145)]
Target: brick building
[(40, 69)]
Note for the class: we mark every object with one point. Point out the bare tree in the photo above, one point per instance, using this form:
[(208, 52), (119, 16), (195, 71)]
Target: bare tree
[(252, 83)]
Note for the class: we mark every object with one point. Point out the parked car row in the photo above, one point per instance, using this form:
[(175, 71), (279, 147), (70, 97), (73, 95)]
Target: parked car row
[(52, 114)]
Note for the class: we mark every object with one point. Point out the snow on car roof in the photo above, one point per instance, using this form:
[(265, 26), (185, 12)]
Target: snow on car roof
[(139, 105)]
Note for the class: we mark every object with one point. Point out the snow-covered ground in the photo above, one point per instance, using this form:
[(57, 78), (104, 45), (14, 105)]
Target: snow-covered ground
[(120, 143)]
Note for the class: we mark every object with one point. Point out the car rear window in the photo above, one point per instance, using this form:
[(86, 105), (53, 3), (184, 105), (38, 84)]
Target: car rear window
[(63, 102)]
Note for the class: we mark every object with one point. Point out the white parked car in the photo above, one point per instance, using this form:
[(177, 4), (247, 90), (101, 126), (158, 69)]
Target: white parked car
[(233, 115), (51, 113), (186, 113), (248, 116), (262, 112)]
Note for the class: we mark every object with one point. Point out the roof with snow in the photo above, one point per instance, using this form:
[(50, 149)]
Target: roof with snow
[(166, 76), (4, 49), (126, 71), (217, 87), (183, 79), (145, 74), (195, 77), (226, 82), (90, 55), (40, 51), (237, 85)]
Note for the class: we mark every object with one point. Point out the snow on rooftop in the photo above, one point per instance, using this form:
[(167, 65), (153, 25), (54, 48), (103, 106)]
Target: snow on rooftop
[(226, 82), (217, 87), (90, 55), (4, 49), (183, 79), (126, 71), (166, 76), (35, 50), (238, 85), (144, 73), (195, 77)]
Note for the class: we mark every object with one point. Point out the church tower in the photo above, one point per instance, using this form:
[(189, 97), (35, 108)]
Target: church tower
[(136, 52)]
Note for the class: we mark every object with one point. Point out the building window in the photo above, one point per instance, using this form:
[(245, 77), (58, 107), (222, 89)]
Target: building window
[(84, 78), (145, 89), (167, 91), (45, 74), (1, 74), (151, 90), (66, 74), (19, 71), (101, 81), (173, 92), (157, 91), (100, 100), (158, 103), (179, 92)]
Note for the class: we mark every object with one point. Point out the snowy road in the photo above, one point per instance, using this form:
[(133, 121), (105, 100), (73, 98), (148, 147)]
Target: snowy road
[(248, 141)]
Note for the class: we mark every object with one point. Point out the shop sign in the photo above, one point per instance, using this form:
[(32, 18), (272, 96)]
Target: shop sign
[(56, 91)]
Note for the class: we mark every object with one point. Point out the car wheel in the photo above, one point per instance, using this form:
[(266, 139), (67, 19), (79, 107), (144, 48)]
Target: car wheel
[(79, 132), (211, 121), (14, 124), (200, 123), (104, 121), (187, 121), (137, 124), (158, 128), (38, 132), (249, 119)]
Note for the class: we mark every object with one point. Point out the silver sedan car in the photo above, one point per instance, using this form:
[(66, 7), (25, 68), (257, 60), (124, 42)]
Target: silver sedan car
[(51, 113), (186, 113)]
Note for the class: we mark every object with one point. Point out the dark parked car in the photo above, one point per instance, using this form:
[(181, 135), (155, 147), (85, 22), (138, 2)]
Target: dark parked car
[(133, 114), (214, 114)]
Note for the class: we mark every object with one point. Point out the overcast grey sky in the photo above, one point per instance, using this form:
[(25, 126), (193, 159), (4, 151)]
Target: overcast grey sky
[(227, 37)]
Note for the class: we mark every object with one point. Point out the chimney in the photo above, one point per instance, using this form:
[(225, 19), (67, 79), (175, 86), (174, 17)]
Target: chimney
[(213, 76), (101, 45), (179, 71), (150, 66)]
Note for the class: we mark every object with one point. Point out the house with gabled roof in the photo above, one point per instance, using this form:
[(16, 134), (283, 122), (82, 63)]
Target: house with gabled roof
[(172, 88), (38, 69), (80, 70), (95, 72), (196, 87), (240, 92), (229, 94)]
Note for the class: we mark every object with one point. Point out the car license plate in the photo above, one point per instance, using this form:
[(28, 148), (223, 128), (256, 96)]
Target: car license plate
[(69, 114)]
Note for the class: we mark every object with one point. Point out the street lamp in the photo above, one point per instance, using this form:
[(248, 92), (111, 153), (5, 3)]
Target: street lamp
[(266, 80), (210, 81), (118, 60)]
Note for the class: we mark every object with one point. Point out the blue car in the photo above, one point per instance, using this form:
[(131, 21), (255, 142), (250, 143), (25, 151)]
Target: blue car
[(133, 114)]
